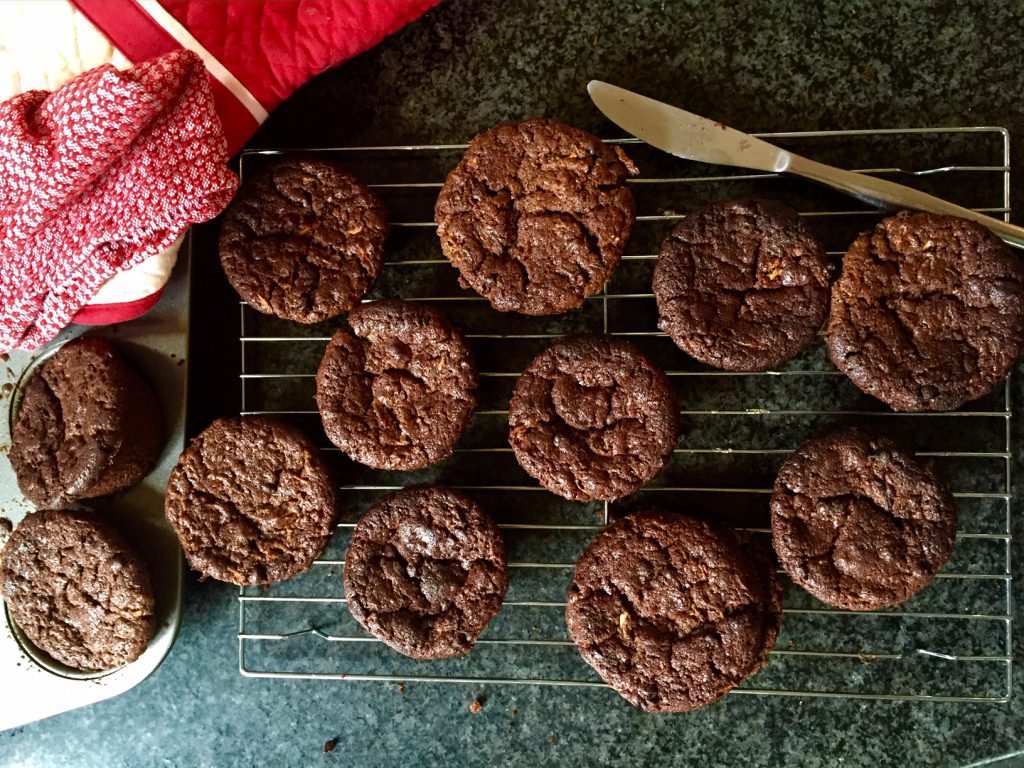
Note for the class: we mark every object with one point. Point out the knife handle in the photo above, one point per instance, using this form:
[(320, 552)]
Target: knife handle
[(880, 192)]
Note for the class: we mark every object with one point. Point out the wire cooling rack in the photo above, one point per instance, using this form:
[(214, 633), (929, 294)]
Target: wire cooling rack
[(952, 642)]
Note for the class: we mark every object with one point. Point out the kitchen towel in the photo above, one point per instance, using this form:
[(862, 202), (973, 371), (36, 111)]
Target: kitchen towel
[(95, 177)]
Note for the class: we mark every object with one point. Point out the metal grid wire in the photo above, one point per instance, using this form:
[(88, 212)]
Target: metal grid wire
[(952, 642)]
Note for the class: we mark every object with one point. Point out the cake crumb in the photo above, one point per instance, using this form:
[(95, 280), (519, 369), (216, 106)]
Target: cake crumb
[(475, 706), (329, 745)]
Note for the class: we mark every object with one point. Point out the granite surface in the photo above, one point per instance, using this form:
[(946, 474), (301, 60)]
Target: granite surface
[(761, 67)]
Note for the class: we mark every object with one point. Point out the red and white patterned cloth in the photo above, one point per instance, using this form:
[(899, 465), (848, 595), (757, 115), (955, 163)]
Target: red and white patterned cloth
[(96, 178)]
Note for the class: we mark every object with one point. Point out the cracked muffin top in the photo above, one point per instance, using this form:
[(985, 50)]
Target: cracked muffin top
[(303, 239), (741, 285), (536, 215), (426, 571), (928, 313), (859, 522), (77, 590), (87, 426), (593, 418), (251, 501), (396, 385), (673, 611)]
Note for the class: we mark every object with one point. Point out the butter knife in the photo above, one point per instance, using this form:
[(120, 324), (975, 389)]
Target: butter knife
[(693, 137)]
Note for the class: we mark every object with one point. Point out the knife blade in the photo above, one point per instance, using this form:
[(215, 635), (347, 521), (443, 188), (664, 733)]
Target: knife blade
[(683, 133), (693, 137)]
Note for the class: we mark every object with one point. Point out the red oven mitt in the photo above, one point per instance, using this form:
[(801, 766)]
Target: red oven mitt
[(256, 53)]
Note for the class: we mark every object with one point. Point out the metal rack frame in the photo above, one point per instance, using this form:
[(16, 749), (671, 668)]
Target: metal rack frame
[(1000, 418)]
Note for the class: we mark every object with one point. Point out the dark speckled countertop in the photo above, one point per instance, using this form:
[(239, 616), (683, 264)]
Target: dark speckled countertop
[(766, 66)]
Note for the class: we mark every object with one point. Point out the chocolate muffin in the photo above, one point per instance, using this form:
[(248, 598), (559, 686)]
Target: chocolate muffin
[(426, 572), (742, 285), (251, 501), (396, 386), (593, 418), (87, 426), (77, 590), (673, 612), (536, 215), (303, 239), (858, 522), (928, 313)]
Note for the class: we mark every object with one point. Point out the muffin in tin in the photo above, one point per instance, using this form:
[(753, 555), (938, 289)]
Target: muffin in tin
[(87, 425)]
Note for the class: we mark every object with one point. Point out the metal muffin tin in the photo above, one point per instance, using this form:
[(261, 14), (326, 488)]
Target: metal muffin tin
[(36, 686)]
